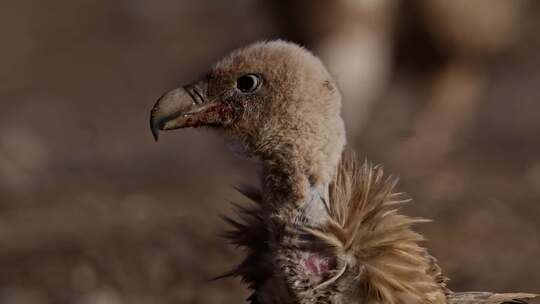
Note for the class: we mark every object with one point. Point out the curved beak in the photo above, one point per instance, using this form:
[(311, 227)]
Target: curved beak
[(185, 107)]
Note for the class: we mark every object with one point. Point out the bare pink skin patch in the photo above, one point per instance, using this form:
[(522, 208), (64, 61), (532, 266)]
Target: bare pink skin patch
[(316, 266)]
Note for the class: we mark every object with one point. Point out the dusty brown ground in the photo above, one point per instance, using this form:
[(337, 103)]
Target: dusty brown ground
[(93, 211)]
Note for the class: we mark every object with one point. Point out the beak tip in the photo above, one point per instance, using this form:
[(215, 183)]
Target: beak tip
[(154, 127)]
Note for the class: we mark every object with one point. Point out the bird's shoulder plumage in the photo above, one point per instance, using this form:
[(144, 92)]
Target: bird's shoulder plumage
[(366, 229), (374, 247)]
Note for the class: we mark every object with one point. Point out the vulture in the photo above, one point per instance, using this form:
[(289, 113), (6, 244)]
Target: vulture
[(323, 228)]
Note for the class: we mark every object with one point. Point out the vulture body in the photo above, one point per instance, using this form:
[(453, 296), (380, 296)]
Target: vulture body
[(323, 229)]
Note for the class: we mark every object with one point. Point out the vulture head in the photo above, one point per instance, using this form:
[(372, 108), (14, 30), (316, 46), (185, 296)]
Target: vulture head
[(276, 101)]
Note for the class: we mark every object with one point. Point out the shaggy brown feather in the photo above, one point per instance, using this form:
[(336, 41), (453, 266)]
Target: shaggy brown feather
[(365, 235), (376, 243), (377, 255)]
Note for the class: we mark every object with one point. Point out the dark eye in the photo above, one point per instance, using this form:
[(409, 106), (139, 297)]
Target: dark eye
[(248, 83)]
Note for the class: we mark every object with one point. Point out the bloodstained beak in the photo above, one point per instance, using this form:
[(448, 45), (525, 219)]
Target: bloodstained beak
[(185, 107)]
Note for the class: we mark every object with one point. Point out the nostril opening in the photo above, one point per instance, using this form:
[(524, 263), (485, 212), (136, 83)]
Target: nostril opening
[(195, 93)]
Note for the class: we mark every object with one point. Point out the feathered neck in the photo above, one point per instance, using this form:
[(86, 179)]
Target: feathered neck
[(296, 159), (289, 178), (374, 254)]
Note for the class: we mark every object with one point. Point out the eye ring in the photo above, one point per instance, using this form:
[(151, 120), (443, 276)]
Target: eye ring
[(248, 83)]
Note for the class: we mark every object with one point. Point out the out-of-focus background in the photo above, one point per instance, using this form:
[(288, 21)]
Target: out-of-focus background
[(444, 93)]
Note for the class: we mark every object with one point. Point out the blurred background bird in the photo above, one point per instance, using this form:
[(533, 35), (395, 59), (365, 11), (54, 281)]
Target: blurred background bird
[(92, 211), (323, 230)]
